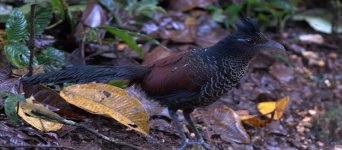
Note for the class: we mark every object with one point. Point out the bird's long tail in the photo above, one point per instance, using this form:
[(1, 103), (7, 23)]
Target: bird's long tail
[(86, 74)]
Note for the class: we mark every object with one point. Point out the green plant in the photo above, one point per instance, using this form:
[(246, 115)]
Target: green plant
[(269, 12), (142, 8), (16, 48), (328, 126)]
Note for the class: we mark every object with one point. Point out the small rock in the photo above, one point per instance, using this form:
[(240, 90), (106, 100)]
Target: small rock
[(332, 55), (312, 38), (337, 147), (312, 112), (319, 143)]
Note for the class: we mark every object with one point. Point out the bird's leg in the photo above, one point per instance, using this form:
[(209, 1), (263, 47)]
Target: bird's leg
[(179, 128), (188, 118)]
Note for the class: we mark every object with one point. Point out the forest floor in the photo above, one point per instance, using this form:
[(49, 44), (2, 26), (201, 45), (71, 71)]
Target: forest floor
[(310, 74)]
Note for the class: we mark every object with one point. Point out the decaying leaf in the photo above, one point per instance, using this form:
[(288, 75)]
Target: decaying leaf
[(278, 108), (226, 122), (26, 112), (108, 101), (255, 121)]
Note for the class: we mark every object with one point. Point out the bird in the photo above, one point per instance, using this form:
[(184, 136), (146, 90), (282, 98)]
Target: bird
[(185, 80)]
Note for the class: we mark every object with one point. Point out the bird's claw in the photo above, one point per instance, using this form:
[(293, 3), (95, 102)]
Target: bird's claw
[(205, 145), (199, 142)]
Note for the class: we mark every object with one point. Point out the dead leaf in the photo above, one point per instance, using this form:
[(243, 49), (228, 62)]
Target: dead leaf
[(186, 34), (37, 69), (51, 98), (93, 15), (25, 111), (255, 121), (157, 53), (226, 122), (275, 109), (108, 101)]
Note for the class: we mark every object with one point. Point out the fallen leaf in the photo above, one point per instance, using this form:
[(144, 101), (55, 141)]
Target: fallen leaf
[(157, 53), (51, 98), (94, 15), (108, 101), (226, 122), (272, 109), (185, 34), (25, 111), (255, 121)]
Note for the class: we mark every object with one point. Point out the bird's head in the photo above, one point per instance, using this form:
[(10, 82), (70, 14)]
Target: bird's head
[(249, 36)]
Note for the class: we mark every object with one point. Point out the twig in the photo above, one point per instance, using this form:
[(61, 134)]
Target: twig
[(34, 146), (31, 41), (70, 122), (97, 53)]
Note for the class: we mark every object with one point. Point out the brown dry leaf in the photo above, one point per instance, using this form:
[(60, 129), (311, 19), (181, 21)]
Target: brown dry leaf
[(186, 34), (254, 121), (51, 99), (108, 101), (227, 123), (25, 112), (156, 54), (37, 69), (94, 15), (275, 109)]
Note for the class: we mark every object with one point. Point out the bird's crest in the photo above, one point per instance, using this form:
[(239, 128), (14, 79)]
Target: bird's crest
[(248, 27)]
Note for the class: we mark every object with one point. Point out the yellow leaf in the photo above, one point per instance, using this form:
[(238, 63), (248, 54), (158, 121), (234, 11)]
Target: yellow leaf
[(266, 108), (281, 106), (108, 101), (275, 109), (25, 112)]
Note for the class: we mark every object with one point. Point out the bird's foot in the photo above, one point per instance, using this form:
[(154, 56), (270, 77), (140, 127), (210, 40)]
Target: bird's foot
[(205, 145), (187, 142)]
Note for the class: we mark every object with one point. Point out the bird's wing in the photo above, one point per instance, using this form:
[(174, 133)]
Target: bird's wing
[(170, 78)]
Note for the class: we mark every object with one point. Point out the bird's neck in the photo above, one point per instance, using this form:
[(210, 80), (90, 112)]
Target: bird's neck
[(230, 49)]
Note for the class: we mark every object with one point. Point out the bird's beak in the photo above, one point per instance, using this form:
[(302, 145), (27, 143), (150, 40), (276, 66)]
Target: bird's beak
[(272, 46)]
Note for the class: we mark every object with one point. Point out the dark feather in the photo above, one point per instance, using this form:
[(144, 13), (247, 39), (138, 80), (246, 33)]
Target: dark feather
[(85, 74), (248, 27)]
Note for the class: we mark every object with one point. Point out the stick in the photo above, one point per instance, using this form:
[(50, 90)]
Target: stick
[(31, 45)]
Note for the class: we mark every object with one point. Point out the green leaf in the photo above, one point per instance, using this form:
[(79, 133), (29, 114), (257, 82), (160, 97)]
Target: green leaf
[(58, 6), (62, 8), (119, 83), (16, 26), (18, 54), (319, 19), (42, 19), (144, 37), (4, 93), (218, 15), (10, 107), (52, 59), (110, 5), (124, 36)]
